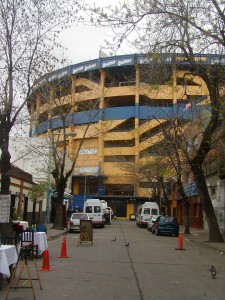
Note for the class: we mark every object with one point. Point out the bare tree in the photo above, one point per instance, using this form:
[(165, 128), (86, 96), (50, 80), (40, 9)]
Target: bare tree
[(28, 40), (179, 26), (150, 23), (61, 104)]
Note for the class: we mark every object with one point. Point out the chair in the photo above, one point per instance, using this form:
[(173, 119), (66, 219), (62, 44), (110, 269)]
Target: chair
[(17, 228), (10, 240), (27, 244)]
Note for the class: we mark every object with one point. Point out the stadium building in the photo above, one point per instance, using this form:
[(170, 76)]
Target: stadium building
[(120, 102)]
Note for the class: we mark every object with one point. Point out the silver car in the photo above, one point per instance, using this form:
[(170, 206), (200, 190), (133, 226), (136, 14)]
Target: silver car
[(75, 220), (151, 222)]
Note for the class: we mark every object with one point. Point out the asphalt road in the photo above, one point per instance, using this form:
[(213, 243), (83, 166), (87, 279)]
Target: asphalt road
[(149, 268)]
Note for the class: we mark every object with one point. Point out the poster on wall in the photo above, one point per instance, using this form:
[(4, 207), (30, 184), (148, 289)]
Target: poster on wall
[(4, 208)]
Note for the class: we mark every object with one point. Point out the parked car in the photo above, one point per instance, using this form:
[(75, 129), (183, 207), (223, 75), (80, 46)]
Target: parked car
[(95, 211), (151, 222), (75, 220), (166, 225), (145, 212)]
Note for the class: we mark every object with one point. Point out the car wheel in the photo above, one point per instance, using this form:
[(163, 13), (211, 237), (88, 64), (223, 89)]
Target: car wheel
[(176, 234), (157, 232), (152, 231)]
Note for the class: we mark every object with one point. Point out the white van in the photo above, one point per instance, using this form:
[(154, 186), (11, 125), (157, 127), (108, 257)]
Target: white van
[(107, 211), (93, 207), (104, 205), (145, 212)]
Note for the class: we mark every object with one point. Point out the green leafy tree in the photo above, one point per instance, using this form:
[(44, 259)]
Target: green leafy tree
[(36, 195)]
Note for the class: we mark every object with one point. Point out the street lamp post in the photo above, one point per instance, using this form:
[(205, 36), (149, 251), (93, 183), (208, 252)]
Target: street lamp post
[(67, 134)]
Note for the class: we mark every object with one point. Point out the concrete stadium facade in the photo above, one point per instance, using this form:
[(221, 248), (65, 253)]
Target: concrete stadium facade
[(122, 99)]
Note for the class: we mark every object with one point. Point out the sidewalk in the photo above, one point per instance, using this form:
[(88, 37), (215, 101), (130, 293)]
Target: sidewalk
[(54, 233), (201, 236)]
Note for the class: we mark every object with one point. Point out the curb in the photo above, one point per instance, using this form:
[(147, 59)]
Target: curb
[(56, 236), (217, 247)]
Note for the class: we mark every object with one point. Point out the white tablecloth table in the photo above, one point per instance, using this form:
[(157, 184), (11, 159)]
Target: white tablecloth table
[(8, 256), (40, 238), (25, 224)]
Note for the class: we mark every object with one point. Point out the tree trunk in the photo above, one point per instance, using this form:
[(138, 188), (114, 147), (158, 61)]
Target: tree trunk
[(40, 212), (215, 235), (212, 78), (5, 171), (59, 222), (5, 166), (34, 211), (186, 205)]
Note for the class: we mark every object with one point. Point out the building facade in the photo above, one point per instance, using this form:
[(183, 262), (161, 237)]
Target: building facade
[(115, 106), (28, 158), (20, 184)]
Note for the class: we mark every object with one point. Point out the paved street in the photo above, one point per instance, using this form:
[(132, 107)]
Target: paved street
[(149, 268)]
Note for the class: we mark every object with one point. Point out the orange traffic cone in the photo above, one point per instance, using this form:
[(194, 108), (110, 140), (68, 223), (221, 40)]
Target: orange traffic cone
[(63, 248), (180, 242), (45, 264)]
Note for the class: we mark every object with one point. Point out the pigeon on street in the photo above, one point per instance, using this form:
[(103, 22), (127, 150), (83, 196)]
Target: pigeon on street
[(213, 272)]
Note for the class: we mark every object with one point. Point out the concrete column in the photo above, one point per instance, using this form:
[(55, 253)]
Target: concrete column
[(52, 96), (137, 96), (136, 132), (174, 76), (20, 197), (101, 127), (32, 116), (73, 93), (38, 109)]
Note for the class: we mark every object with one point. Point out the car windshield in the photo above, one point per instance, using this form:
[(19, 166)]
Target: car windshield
[(79, 216)]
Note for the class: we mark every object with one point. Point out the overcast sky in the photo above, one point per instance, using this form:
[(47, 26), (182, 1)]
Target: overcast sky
[(84, 42)]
